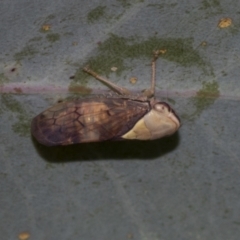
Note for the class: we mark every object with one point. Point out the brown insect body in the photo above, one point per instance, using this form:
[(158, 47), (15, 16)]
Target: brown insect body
[(100, 119), (88, 120)]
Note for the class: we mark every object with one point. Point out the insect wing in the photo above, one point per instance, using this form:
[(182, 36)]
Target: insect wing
[(89, 120)]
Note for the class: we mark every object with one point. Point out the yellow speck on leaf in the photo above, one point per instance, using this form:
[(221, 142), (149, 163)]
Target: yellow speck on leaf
[(46, 27), (23, 235), (225, 22), (133, 80)]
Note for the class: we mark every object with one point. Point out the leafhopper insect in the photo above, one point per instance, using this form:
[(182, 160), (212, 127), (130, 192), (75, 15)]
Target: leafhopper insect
[(109, 118)]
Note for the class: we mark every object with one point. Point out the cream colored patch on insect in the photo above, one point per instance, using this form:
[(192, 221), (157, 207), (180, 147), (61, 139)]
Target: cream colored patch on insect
[(204, 43), (225, 22), (133, 80), (160, 122), (157, 123), (23, 236), (46, 27), (139, 131)]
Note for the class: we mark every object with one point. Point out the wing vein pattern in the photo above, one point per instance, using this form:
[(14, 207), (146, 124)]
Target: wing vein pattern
[(88, 120)]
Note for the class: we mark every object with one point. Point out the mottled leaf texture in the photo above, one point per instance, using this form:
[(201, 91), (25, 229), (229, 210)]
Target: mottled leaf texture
[(87, 120)]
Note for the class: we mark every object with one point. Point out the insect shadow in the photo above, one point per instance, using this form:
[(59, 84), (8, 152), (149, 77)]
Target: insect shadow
[(109, 150)]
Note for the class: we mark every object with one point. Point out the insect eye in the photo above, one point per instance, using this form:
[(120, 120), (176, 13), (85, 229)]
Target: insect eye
[(162, 106)]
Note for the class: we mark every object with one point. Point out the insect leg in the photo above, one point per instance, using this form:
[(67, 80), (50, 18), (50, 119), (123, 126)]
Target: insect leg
[(151, 91), (116, 88)]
